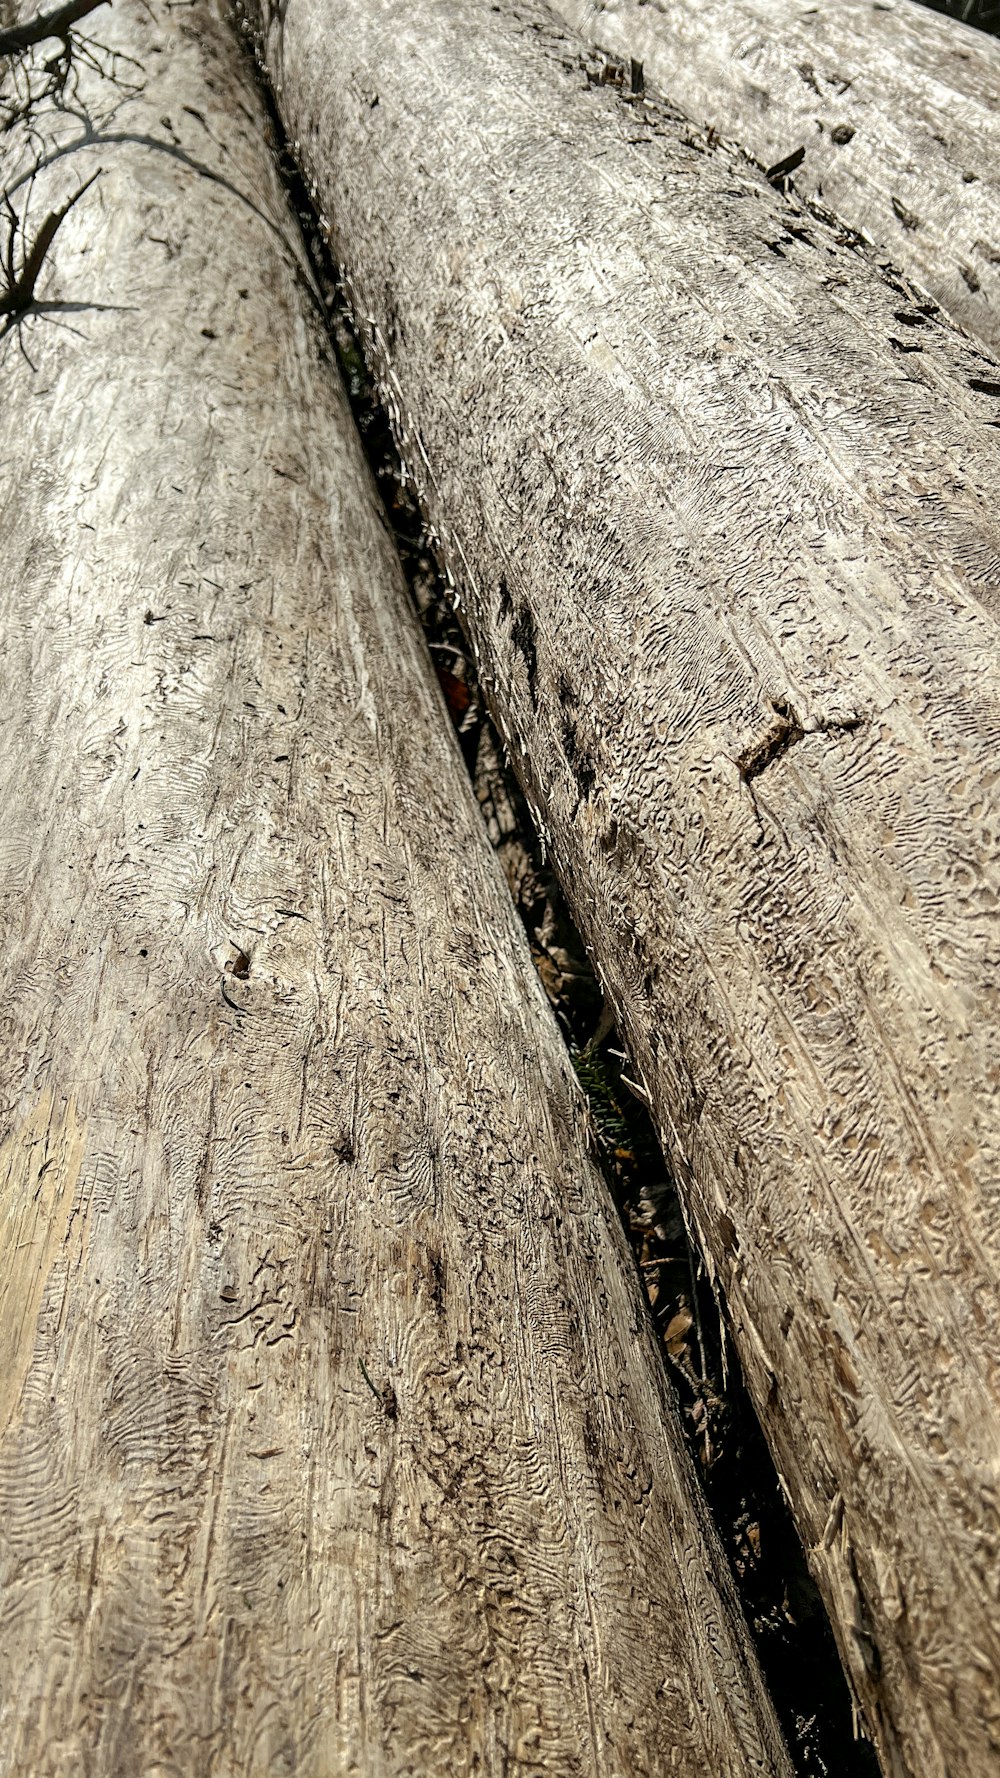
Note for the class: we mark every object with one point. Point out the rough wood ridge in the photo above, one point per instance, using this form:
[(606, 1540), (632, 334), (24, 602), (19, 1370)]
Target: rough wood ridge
[(897, 111), (333, 1437), (722, 504)]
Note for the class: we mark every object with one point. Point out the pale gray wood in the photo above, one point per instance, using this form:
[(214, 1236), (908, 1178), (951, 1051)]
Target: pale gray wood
[(731, 555), (333, 1435), (897, 108)]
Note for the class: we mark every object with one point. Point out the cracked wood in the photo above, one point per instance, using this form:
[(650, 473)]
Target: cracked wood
[(685, 478)]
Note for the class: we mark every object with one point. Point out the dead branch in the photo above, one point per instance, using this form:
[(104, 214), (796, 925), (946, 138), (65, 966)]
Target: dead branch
[(57, 23), (37, 81), (20, 292), (18, 300)]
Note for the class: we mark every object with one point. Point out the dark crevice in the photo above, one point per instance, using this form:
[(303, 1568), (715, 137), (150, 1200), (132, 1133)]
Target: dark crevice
[(783, 1608), (983, 14)]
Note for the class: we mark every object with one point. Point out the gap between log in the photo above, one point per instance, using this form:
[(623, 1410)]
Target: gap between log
[(787, 1619)]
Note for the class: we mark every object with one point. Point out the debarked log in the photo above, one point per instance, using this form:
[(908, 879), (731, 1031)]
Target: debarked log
[(888, 113), (722, 506), (333, 1436)]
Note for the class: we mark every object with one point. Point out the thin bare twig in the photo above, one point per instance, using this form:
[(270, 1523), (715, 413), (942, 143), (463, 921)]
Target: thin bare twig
[(57, 23), (18, 299)]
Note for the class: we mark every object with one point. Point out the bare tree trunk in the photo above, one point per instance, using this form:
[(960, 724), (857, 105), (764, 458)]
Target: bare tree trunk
[(333, 1436), (897, 112), (723, 509)]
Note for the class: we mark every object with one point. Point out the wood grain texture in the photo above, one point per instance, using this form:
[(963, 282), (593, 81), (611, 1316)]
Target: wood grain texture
[(723, 512), (333, 1435), (897, 109)]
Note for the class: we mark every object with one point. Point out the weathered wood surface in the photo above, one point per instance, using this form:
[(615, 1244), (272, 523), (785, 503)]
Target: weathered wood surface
[(723, 509), (333, 1436), (897, 109)]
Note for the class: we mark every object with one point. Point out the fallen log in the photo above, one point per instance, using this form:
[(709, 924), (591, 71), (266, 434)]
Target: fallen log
[(721, 504), (891, 113), (333, 1435)]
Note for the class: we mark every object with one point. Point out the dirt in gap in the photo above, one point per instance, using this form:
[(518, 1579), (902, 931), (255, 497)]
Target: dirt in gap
[(790, 1629)]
